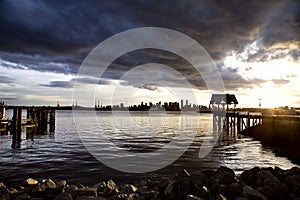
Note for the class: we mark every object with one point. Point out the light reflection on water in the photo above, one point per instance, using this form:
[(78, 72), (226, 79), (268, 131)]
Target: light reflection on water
[(63, 156)]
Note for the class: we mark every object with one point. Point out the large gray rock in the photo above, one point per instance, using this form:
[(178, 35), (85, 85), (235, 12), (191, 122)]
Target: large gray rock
[(3, 189), (143, 190), (87, 192), (62, 183), (251, 194), (4, 192), (45, 184), (198, 180), (249, 176), (233, 190), (72, 189), (225, 175), (266, 178), (127, 188), (23, 196), (203, 192), (292, 181), (98, 198), (193, 197), (64, 196), (169, 191), (31, 182), (107, 189)]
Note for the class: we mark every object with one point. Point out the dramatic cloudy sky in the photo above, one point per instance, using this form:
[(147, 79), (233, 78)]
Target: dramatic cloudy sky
[(254, 44)]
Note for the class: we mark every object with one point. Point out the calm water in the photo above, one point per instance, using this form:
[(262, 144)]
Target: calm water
[(62, 155)]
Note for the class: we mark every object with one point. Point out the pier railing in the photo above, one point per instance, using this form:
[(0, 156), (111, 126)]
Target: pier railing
[(235, 122)]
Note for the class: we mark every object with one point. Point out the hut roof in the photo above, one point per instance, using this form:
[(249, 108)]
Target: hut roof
[(223, 98)]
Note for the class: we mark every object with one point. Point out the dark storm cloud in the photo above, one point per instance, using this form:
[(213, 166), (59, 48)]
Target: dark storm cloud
[(59, 84), (58, 27), (149, 87), (10, 98), (284, 27), (280, 37), (57, 35), (70, 83), (7, 80)]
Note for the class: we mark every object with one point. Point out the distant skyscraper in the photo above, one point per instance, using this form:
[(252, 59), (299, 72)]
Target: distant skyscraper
[(181, 104)]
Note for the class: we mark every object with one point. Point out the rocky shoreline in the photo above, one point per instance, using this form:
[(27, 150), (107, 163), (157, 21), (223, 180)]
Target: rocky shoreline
[(221, 184)]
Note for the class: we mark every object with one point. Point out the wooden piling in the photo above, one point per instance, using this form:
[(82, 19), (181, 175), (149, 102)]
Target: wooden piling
[(238, 123), (17, 127), (248, 120), (52, 121)]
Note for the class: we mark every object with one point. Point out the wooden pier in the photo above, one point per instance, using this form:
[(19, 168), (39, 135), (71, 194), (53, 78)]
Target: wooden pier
[(240, 123), (237, 123), (39, 120)]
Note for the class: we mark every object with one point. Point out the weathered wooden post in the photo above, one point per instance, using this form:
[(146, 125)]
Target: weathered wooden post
[(30, 122), (43, 121), (227, 123), (39, 120), (17, 127), (52, 120), (248, 120), (238, 122)]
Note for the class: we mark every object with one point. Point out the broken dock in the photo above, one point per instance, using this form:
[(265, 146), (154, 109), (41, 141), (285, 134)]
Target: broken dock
[(38, 120)]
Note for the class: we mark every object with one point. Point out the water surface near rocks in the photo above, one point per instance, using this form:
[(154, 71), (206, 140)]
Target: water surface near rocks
[(62, 155)]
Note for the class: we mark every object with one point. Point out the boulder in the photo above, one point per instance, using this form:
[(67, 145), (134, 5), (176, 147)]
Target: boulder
[(98, 198), (4, 192), (220, 197), (71, 189), (225, 175), (198, 180), (62, 183), (3, 189), (266, 178), (45, 184), (133, 188), (162, 184), (100, 186), (251, 194), (233, 190), (292, 181), (266, 191), (169, 191), (280, 189), (143, 190), (193, 197), (293, 171), (107, 189), (31, 182), (295, 193), (64, 196), (279, 173), (87, 192), (249, 176), (23, 196), (203, 192), (127, 188), (211, 177)]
